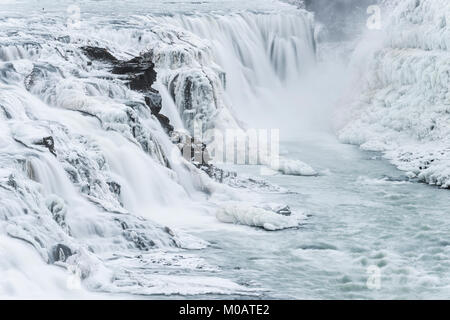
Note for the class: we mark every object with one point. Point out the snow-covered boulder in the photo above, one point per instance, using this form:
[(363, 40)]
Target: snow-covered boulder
[(295, 168), (257, 216)]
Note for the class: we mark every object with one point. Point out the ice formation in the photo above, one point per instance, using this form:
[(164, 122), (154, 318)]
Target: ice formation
[(257, 53), (403, 108), (295, 167), (88, 173), (255, 216)]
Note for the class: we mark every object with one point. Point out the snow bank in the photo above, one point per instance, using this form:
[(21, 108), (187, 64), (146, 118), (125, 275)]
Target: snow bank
[(403, 109)]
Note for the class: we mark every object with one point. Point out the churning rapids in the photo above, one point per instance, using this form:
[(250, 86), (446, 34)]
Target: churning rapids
[(97, 201)]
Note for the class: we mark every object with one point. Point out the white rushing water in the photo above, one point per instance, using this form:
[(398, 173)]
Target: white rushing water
[(113, 211)]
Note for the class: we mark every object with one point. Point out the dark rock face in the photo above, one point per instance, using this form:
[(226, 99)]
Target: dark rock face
[(114, 187), (49, 143), (188, 93), (140, 71), (285, 211), (101, 54), (165, 123), (61, 252), (154, 102), (140, 75)]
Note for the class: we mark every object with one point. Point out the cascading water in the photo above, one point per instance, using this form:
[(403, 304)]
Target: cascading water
[(88, 176), (263, 56)]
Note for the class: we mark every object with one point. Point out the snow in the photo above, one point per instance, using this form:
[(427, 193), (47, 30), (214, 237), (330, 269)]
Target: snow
[(26, 276), (402, 107), (257, 217), (295, 168)]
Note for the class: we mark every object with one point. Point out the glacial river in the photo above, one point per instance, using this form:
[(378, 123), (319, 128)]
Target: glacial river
[(370, 234)]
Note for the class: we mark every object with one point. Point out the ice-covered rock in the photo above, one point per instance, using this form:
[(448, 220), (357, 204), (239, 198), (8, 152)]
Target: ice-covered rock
[(255, 216), (282, 209), (403, 108), (295, 168)]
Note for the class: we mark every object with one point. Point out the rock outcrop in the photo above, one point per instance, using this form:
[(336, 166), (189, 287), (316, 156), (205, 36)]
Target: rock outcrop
[(139, 74)]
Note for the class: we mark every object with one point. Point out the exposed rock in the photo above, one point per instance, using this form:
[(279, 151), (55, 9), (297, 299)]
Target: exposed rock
[(114, 187), (165, 123), (217, 174), (154, 102), (12, 181), (140, 70), (61, 252), (49, 143), (197, 153), (285, 211), (141, 241), (169, 231), (64, 39), (101, 54), (58, 209), (141, 75), (30, 80)]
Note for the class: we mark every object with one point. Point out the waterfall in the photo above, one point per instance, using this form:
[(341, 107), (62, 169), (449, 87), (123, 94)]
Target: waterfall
[(261, 56), (88, 175)]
